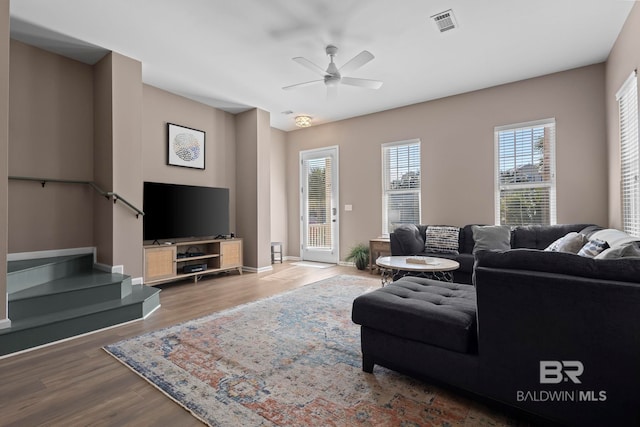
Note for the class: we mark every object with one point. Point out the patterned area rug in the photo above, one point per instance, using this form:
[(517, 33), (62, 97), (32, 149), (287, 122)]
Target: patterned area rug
[(290, 360)]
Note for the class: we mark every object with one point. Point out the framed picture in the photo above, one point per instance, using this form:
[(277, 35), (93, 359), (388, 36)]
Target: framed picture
[(185, 146)]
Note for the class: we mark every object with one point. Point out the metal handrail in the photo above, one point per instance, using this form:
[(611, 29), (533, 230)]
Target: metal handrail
[(107, 194)]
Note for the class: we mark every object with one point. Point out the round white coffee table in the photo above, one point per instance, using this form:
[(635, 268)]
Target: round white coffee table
[(394, 267)]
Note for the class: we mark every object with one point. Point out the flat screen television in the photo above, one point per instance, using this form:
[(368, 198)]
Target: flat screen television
[(173, 211)]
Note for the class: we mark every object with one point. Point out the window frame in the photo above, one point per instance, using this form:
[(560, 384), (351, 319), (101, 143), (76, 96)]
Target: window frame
[(385, 175), (550, 184), (629, 155)]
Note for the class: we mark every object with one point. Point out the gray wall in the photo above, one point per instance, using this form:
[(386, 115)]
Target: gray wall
[(51, 134), (458, 153)]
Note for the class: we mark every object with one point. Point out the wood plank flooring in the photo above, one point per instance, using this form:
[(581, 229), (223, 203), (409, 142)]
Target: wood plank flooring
[(76, 383)]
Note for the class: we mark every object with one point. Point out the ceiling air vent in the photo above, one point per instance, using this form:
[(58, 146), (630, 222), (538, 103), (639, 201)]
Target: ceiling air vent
[(445, 20)]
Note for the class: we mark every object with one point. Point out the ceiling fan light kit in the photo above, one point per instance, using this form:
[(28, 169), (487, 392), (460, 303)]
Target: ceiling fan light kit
[(334, 76)]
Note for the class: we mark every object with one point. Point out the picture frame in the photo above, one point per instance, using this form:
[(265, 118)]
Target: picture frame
[(185, 147)]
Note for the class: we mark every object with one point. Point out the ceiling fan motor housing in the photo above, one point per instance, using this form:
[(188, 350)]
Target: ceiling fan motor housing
[(331, 50), (332, 79)]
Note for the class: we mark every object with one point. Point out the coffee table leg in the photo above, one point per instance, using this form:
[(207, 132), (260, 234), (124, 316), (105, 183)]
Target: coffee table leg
[(386, 275)]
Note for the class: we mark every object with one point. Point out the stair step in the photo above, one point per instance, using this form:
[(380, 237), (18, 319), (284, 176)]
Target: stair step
[(28, 273), (38, 330), (79, 290)]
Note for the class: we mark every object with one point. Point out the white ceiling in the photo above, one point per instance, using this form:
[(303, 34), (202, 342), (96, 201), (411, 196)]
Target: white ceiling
[(236, 55)]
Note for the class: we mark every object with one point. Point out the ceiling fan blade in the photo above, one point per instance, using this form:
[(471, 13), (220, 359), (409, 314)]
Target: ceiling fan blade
[(356, 62), (297, 85), (366, 83), (310, 65)]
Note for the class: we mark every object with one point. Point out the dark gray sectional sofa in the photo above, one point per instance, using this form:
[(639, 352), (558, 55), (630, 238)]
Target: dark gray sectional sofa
[(552, 334), (410, 240)]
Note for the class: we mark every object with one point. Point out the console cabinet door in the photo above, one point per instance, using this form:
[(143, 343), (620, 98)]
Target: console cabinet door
[(231, 254), (159, 263)]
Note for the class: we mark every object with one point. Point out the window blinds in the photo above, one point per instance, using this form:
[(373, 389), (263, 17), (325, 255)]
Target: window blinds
[(318, 173), (525, 173), (400, 184), (627, 98)]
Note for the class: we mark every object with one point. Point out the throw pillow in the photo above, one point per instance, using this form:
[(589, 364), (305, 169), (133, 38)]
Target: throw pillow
[(593, 248), (627, 250), (442, 239), (491, 237), (571, 243)]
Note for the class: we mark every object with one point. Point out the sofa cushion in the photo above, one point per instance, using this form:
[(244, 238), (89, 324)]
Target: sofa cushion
[(466, 238), (491, 237), (424, 310), (541, 236), (409, 238), (442, 239), (622, 269)]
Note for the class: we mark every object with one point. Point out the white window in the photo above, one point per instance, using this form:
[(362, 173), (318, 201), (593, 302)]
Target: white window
[(400, 184), (627, 98), (525, 173)]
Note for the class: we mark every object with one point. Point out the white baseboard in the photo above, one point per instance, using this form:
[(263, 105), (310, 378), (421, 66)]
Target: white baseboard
[(292, 258), (257, 270), (137, 281), (109, 268), (21, 256)]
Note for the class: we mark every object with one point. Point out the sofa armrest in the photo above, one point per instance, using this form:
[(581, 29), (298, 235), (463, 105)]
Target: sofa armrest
[(526, 316)]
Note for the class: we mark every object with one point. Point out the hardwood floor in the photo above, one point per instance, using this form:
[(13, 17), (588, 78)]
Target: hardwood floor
[(76, 383)]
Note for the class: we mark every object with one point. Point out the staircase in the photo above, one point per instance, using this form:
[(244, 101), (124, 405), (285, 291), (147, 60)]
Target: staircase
[(55, 298)]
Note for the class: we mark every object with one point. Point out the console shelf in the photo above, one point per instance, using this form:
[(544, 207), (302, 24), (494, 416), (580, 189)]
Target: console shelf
[(167, 262)]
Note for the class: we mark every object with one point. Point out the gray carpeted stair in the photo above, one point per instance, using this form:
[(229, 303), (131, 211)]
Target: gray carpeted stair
[(55, 298)]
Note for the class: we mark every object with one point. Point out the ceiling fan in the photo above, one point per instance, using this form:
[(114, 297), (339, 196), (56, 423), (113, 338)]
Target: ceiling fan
[(334, 76)]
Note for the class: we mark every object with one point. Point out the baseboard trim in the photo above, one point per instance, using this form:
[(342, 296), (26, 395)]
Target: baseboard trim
[(257, 270), (119, 269), (292, 258), (137, 281), (21, 256)]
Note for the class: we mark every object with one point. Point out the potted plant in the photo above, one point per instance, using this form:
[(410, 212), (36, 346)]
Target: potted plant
[(359, 254)]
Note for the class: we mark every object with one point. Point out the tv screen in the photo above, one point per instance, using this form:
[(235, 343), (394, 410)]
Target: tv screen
[(175, 211)]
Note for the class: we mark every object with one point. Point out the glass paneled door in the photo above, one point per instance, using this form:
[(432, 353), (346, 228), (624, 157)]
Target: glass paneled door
[(319, 205)]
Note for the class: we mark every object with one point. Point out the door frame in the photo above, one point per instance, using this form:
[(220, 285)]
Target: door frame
[(334, 256)]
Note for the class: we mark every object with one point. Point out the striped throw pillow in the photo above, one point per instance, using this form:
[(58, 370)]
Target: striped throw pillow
[(442, 239)]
